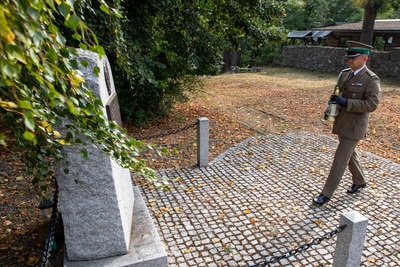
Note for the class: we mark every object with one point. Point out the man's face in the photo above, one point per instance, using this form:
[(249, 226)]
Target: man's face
[(356, 63)]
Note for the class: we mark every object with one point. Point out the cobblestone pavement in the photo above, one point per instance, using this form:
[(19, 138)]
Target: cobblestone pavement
[(254, 202)]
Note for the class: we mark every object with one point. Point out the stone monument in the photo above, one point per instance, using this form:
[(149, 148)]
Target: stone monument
[(105, 222)]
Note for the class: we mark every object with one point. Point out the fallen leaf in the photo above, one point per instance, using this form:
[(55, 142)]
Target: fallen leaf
[(190, 190), (320, 223), (254, 220), (7, 223)]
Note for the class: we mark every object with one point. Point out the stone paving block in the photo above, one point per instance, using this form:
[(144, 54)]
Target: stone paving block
[(256, 198)]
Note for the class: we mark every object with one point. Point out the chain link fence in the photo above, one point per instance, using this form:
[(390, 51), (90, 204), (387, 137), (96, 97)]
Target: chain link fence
[(167, 133), (316, 241), (50, 244)]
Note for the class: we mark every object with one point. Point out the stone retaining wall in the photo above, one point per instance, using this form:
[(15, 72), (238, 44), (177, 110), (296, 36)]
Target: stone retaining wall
[(331, 59)]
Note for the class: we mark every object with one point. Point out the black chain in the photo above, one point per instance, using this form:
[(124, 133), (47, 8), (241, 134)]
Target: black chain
[(48, 247), (316, 241), (168, 133)]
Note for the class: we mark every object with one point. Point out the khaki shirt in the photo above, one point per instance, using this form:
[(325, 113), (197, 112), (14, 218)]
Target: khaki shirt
[(363, 93)]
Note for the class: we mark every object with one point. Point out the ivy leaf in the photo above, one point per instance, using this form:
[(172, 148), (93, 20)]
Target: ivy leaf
[(29, 136), (105, 9), (9, 71), (64, 9), (25, 104), (60, 39), (5, 31), (72, 22), (33, 13), (71, 2), (29, 120)]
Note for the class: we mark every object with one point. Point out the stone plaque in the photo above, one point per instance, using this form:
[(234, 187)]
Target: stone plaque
[(112, 108)]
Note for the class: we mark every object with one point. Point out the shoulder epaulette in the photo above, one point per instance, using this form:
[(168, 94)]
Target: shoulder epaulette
[(370, 73), (345, 70)]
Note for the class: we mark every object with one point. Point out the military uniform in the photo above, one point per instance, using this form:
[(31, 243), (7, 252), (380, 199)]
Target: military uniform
[(363, 94), (359, 95)]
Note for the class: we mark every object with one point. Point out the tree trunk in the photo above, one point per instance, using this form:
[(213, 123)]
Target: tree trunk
[(367, 32), (231, 59)]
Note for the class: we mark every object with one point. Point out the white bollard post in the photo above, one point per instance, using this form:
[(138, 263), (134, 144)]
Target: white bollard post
[(202, 142), (350, 242)]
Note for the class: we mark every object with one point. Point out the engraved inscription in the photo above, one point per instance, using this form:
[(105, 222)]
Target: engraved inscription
[(113, 112), (107, 77)]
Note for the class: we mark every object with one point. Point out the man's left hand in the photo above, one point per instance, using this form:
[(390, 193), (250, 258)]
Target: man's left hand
[(340, 100)]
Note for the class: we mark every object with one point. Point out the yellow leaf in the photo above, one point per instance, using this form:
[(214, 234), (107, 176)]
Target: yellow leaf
[(12, 104), (371, 260), (254, 220), (187, 250), (165, 209), (56, 134), (32, 260), (19, 178), (215, 240), (190, 190), (247, 211), (62, 141)]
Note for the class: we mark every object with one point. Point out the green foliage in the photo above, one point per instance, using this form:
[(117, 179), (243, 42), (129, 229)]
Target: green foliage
[(159, 48), (41, 87), (269, 54), (307, 14)]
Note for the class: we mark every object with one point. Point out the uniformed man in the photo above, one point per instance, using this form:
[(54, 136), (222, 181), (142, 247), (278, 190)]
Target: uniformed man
[(360, 94)]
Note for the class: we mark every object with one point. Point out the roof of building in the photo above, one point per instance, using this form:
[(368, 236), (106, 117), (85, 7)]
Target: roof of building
[(380, 25), (298, 34), (301, 34)]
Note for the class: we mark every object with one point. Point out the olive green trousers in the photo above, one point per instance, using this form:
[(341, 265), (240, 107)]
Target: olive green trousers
[(345, 155)]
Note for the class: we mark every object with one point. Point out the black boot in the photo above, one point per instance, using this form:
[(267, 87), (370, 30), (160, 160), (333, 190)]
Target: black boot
[(321, 199), (354, 188)]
